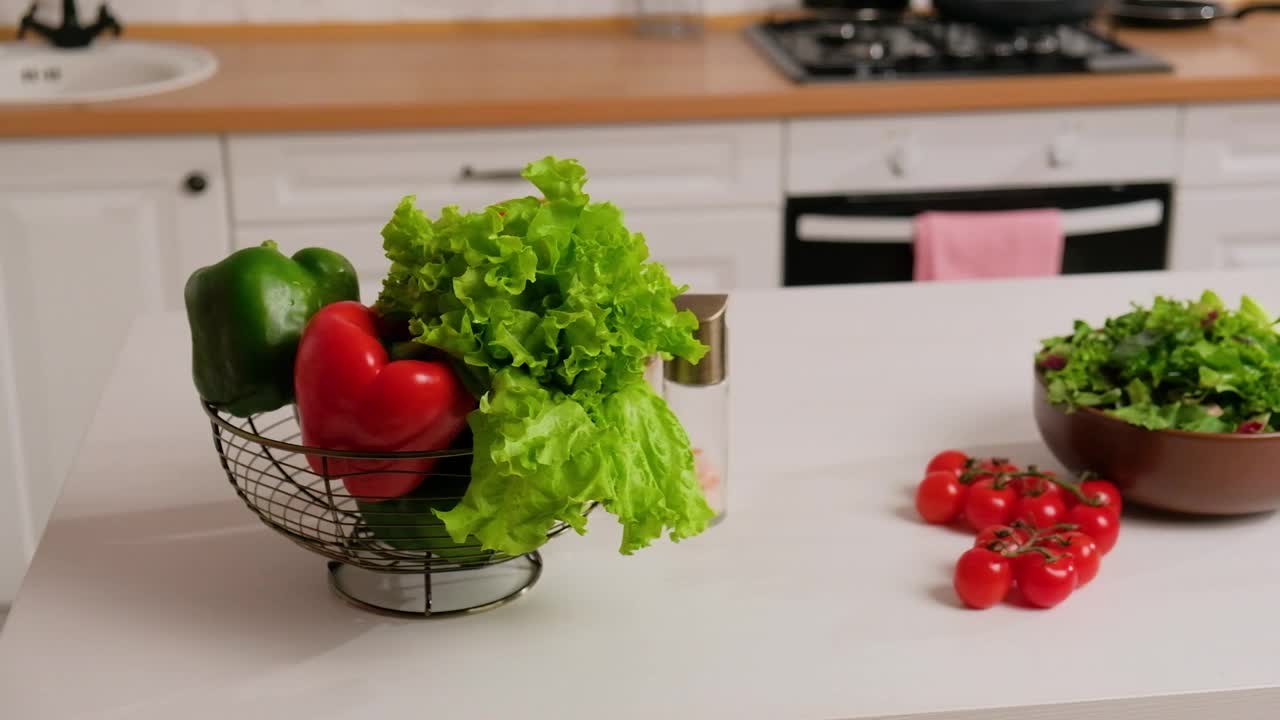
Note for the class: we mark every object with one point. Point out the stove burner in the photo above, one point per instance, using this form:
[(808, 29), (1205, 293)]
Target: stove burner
[(922, 50), (1045, 45), (1002, 48), (812, 50), (838, 36), (962, 43)]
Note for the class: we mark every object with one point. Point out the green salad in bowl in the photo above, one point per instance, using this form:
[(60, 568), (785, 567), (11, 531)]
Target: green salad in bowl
[(1178, 364)]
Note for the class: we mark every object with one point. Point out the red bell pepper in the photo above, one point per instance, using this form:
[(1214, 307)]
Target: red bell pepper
[(350, 396)]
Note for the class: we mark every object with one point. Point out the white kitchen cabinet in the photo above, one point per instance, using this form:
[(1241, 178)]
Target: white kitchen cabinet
[(707, 196), (361, 176), (715, 249), (1226, 227), (91, 233), (980, 150), (1231, 144), (708, 249), (16, 533), (1229, 188)]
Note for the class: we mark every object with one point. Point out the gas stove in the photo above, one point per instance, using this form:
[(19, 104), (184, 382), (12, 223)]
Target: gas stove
[(838, 50)]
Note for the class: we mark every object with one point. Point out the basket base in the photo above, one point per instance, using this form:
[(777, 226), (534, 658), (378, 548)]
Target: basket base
[(435, 595)]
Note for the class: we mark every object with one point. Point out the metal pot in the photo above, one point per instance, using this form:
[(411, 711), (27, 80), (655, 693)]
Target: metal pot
[(1179, 13), (1018, 12)]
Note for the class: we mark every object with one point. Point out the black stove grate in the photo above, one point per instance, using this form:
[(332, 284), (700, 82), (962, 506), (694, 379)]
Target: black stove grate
[(827, 50)]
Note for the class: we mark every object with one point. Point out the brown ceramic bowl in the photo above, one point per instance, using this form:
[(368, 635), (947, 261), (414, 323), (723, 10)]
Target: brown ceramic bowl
[(1188, 472)]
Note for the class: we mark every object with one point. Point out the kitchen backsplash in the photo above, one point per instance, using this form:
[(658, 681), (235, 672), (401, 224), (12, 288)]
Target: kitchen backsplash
[(267, 11)]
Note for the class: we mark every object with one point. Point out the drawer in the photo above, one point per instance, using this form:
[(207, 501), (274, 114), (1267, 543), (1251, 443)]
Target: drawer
[(971, 150), (363, 175), (1231, 144), (715, 249), (1226, 228)]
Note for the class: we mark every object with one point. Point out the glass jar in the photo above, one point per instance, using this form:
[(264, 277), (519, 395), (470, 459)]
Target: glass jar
[(699, 396)]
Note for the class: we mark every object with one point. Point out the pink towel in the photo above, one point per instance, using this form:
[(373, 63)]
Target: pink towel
[(1002, 244)]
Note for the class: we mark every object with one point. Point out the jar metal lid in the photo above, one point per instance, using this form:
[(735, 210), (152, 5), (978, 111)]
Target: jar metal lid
[(712, 332)]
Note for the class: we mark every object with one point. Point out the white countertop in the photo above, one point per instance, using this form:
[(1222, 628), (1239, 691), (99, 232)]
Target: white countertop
[(156, 594)]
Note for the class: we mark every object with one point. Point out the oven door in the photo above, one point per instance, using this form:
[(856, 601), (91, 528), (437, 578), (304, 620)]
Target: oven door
[(862, 239)]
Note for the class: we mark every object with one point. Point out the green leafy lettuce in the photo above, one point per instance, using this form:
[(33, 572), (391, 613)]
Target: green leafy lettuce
[(550, 310), (1189, 365)]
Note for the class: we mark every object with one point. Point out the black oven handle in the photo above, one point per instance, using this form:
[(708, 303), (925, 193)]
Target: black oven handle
[(845, 228)]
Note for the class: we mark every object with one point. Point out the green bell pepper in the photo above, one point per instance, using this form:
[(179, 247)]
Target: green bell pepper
[(408, 523), (247, 313)]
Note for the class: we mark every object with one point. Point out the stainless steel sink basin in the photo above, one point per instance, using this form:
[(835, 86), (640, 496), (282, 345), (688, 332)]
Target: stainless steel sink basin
[(33, 74)]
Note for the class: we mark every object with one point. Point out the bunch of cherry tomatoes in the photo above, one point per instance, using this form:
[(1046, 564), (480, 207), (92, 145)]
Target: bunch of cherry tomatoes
[(1042, 533)]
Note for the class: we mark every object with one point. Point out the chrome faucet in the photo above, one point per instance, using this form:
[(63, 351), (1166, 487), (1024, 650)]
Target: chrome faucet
[(71, 34)]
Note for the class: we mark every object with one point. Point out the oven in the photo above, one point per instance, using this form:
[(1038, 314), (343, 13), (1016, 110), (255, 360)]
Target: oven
[(867, 238)]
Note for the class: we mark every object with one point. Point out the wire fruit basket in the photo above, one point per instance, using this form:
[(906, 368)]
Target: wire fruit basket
[(386, 555)]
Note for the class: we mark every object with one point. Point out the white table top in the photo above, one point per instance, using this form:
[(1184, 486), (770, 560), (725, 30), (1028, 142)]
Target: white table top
[(156, 594)]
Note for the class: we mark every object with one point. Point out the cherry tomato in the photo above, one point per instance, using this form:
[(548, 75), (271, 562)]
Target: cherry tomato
[(1040, 511), (1099, 523), (998, 465), (1034, 485), (1043, 582), (989, 504), (1083, 549), (1104, 493), (1010, 538), (1068, 497), (940, 497), (982, 578), (988, 469), (1064, 487), (951, 460)]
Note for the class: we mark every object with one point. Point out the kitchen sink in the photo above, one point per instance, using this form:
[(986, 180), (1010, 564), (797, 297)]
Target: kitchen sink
[(32, 73)]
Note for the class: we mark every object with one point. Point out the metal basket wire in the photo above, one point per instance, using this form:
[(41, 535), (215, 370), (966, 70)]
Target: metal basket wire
[(305, 493)]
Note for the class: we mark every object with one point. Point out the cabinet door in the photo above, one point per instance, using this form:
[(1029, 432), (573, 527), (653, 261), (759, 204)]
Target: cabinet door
[(91, 234), (1231, 144), (708, 249), (715, 250), (1227, 227), (16, 536)]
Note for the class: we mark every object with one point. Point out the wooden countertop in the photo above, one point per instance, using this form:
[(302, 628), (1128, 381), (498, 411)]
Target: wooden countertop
[(602, 74)]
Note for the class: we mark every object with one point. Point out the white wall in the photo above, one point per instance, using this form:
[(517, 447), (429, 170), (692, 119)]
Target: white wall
[(265, 11)]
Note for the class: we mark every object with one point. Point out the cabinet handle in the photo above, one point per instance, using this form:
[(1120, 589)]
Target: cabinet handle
[(903, 159), (1063, 151), (470, 174), (865, 229), (196, 183)]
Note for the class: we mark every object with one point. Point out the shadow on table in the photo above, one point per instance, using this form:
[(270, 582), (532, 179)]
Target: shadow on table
[(212, 573)]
